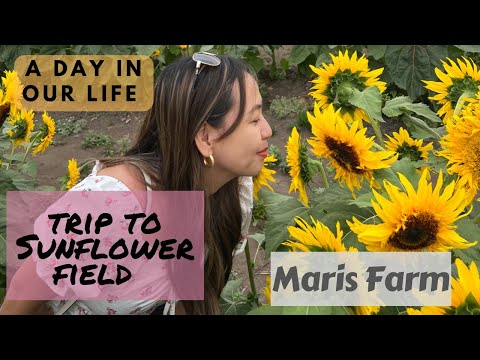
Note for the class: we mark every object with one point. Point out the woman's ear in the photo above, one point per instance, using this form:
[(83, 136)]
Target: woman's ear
[(202, 140)]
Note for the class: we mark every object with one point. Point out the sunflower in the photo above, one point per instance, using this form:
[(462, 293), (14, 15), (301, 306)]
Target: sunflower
[(4, 107), (47, 130), (336, 82), (264, 176), (73, 174), (415, 220), (22, 126), (458, 80), (468, 282), (319, 238), (267, 292), (156, 53), (315, 238), (366, 310), (297, 161), (13, 91), (347, 148), (461, 146), (405, 146)]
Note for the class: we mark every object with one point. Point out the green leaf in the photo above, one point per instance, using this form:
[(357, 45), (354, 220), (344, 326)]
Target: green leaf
[(335, 205), (299, 54), (6, 182), (469, 48), (392, 310), (18, 180), (437, 163), (30, 168), (15, 157), (377, 51), (258, 237), (470, 306), (322, 58), (231, 288), (46, 188), (304, 67), (92, 49), (206, 47), (369, 100), (470, 231), (401, 104), (232, 302), (363, 201), (9, 53), (419, 128), (254, 60), (284, 64), (408, 65), (299, 310), (5, 145), (404, 166), (146, 50), (281, 211)]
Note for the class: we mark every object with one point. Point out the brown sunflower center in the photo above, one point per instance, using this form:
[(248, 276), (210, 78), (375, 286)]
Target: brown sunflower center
[(420, 231), (344, 154)]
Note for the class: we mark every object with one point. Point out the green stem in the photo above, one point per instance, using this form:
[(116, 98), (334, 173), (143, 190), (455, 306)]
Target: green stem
[(11, 154), (250, 272), (319, 165), (378, 132), (256, 252), (461, 101), (378, 147), (30, 145), (324, 174), (273, 66)]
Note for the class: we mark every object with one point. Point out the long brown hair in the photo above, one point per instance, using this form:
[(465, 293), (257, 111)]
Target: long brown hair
[(166, 150)]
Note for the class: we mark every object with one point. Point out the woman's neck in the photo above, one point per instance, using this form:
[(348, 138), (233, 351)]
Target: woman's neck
[(214, 180)]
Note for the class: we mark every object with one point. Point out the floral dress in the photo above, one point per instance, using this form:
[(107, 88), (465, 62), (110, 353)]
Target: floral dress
[(94, 182)]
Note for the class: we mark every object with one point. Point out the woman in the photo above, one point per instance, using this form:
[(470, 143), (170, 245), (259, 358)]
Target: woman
[(205, 131)]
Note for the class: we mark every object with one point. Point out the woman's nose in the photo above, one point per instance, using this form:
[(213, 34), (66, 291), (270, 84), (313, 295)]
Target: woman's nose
[(266, 129)]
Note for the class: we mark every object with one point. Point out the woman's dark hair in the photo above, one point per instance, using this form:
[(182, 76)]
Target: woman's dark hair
[(166, 150)]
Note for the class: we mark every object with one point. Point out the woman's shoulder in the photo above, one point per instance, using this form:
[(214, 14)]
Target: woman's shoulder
[(118, 177), (129, 174)]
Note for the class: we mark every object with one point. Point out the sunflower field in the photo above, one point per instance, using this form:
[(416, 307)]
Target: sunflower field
[(408, 191)]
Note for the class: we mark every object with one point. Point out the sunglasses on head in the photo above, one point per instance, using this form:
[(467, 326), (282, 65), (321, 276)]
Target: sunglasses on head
[(203, 58)]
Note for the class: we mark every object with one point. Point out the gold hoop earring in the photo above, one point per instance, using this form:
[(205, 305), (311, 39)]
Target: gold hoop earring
[(209, 161)]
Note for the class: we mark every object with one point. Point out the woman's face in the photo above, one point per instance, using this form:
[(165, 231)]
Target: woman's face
[(242, 152)]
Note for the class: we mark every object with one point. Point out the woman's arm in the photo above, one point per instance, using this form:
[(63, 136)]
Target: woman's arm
[(25, 307), (26, 276)]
